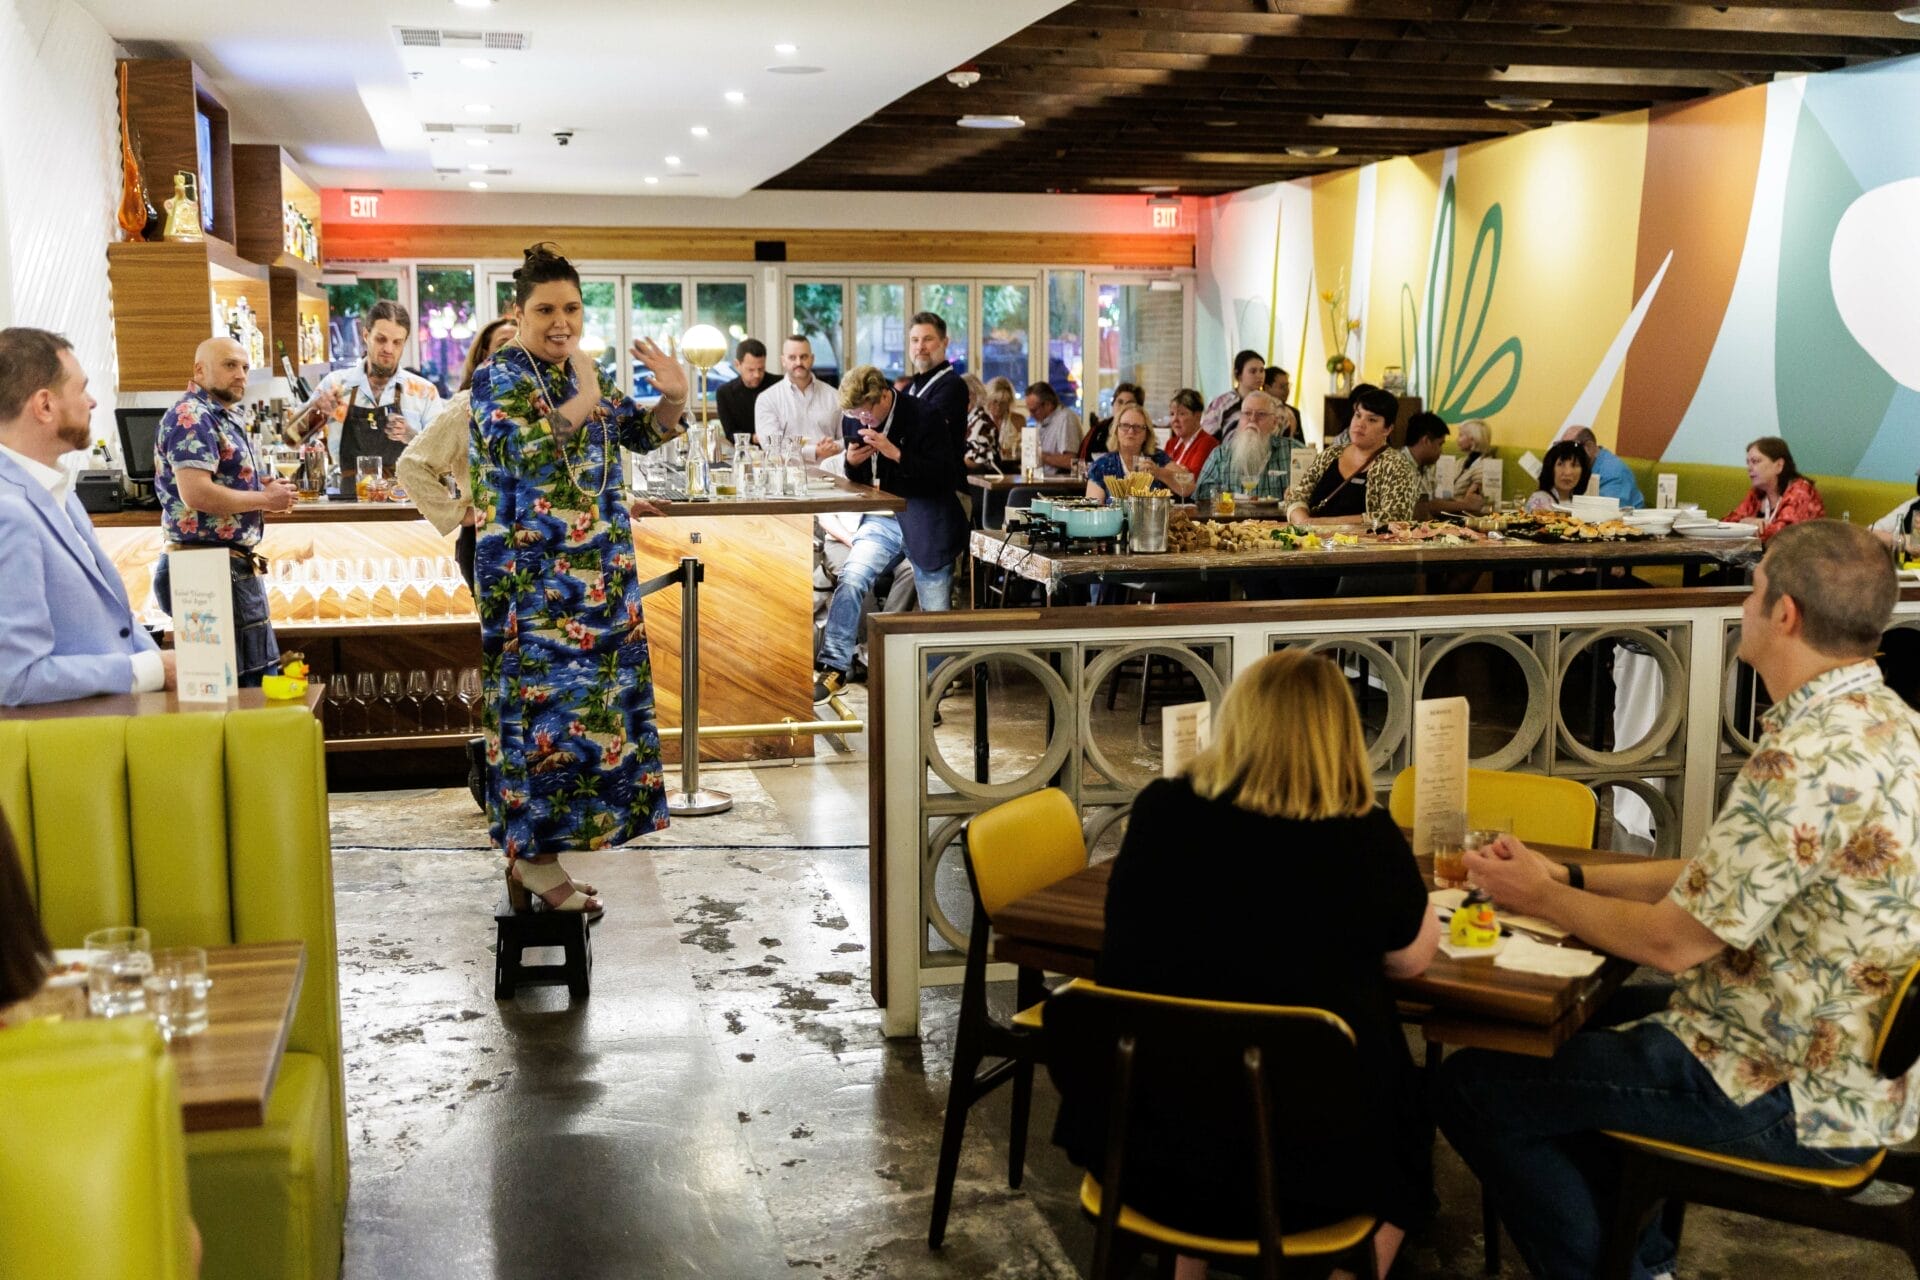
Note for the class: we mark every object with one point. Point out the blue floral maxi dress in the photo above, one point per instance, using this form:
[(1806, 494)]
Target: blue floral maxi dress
[(573, 754)]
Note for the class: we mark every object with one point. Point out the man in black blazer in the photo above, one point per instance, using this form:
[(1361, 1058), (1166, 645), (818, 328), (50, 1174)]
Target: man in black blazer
[(905, 449), (735, 399), (936, 383)]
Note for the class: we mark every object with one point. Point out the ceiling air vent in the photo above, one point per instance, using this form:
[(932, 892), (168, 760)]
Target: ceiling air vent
[(446, 38), (444, 126)]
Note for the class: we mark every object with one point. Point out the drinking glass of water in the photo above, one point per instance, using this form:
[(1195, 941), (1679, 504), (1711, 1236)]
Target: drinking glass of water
[(177, 991), (119, 961)]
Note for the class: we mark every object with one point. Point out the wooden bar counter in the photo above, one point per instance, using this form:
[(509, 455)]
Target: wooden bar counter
[(756, 605)]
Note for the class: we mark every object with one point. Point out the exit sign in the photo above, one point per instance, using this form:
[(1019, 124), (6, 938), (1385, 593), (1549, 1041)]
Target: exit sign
[(363, 204), (1166, 217)]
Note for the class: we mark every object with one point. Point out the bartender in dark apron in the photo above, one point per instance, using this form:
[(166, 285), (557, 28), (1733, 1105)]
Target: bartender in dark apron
[(364, 433)]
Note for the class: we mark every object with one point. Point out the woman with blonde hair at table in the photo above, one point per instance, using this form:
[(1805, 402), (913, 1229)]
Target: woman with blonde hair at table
[(1276, 820)]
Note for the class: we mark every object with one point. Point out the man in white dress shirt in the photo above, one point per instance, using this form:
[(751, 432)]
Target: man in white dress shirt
[(800, 407), (66, 630)]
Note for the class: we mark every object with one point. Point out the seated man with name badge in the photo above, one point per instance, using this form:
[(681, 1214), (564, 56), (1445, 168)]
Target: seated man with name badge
[(65, 627), (375, 407)]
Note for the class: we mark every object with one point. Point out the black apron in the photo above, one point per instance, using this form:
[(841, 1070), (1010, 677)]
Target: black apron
[(362, 435)]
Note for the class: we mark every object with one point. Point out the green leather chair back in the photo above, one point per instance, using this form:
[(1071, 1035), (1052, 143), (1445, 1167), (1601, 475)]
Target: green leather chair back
[(1719, 489), (93, 1171), (206, 828)]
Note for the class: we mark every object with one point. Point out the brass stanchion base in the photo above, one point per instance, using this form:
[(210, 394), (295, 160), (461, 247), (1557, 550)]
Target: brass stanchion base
[(698, 803)]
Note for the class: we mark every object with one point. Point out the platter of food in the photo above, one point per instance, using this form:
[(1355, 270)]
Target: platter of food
[(1558, 528)]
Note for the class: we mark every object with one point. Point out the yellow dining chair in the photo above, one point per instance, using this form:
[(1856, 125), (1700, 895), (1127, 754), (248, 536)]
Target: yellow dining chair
[(1012, 850), (1549, 810), (93, 1172), (1302, 1080), (1652, 1171), (208, 828)]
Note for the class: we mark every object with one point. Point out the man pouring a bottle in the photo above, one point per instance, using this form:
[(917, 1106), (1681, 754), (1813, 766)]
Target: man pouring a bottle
[(374, 407)]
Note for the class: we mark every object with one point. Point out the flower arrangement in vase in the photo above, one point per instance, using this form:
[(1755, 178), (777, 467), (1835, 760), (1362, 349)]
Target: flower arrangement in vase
[(1341, 326)]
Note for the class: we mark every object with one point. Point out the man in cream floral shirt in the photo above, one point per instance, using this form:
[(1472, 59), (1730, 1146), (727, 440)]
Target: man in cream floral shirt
[(1789, 930)]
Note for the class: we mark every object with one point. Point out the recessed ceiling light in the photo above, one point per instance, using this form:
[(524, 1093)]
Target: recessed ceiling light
[(478, 108), (736, 97), (1222, 124), (474, 4), (477, 185), (479, 142), (1519, 104), (1909, 14), (673, 159), (1159, 189), (991, 122), (786, 50), (699, 131), (1320, 152), (795, 70), (651, 181), (478, 166), (1552, 28), (476, 64)]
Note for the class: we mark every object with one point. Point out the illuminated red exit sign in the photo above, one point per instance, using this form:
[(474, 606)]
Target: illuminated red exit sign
[(1166, 216), (363, 204)]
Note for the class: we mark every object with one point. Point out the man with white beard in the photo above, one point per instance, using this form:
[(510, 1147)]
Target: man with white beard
[(1254, 460)]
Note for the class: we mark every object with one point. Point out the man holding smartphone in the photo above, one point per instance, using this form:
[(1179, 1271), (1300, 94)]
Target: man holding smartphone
[(898, 443)]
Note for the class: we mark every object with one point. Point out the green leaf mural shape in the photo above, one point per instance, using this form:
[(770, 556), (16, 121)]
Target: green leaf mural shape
[(1439, 363)]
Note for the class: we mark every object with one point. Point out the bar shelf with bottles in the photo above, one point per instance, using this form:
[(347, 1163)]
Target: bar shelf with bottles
[(370, 586)]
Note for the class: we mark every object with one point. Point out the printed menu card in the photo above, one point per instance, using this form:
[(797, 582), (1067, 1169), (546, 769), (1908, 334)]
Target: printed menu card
[(1440, 760)]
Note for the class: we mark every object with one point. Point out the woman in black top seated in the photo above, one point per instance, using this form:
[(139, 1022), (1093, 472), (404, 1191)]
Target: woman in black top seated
[(1365, 480), (1311, 897)]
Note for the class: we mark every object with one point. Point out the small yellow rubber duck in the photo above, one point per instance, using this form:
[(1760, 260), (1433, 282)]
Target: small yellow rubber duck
[(1473, 923)]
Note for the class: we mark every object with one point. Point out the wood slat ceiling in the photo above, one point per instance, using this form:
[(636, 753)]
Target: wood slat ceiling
[(1207, 95)]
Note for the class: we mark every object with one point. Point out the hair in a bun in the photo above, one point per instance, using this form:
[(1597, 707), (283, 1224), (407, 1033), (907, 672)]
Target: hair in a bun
[(541, 264)]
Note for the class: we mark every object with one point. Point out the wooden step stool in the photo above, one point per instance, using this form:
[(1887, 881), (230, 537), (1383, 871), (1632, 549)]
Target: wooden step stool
[(515, 931)]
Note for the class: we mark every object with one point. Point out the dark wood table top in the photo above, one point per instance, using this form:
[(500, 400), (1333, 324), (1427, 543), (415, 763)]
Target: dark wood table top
[(155, 704), (1055, 567), (1048, 484), (1460, 1002), (227, 1071)]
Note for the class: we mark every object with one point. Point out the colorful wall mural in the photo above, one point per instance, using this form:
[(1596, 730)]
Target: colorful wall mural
[(1682, 280)]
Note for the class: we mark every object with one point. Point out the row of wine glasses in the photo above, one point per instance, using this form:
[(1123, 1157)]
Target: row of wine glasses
[(388, 704), (373, 588)]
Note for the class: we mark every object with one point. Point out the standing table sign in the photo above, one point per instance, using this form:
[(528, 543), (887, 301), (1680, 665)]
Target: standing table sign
[(205, 660)]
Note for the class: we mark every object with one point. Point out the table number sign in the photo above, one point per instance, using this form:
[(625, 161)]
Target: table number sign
[(1185, 731), (1440, 758), (1667, 489), (204, 658), (1492, 481)]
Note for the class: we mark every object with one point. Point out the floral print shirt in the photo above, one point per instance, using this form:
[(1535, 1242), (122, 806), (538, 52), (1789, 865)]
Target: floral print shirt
[(201, 434), (1808, 876), (1800, 502)]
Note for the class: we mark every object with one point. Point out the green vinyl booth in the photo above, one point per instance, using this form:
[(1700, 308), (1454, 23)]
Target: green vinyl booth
[(208, 828), (93, 1177)]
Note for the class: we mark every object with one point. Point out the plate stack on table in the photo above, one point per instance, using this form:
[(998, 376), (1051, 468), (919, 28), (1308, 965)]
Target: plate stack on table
[(1694, 525)]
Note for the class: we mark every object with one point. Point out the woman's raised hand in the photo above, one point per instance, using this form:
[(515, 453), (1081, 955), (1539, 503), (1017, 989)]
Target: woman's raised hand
[(668, 374)]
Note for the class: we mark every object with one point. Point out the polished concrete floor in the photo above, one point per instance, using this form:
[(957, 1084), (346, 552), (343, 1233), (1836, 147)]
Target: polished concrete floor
[(724, 1104)]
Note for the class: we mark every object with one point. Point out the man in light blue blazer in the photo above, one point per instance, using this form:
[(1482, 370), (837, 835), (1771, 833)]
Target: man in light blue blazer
[(66, 630)]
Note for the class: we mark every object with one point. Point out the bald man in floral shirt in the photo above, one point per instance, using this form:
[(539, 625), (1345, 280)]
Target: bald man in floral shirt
[(1789, 932)]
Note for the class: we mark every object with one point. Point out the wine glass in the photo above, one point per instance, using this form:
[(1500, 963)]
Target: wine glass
[(339, 698), (443, 700), (417, 690), (390, 703), (365, 691), (469, 695)]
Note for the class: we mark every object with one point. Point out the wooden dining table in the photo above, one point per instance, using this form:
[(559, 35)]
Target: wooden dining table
[(227, 1071), (1466, 1003)]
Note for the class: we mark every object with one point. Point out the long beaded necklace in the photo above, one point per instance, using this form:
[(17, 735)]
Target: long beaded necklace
[(546, 408)]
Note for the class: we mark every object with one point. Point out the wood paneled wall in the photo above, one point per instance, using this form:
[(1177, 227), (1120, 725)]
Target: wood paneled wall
[(379, 241)]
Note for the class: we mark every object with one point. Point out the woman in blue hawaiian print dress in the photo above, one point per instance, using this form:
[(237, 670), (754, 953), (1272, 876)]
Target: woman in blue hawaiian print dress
[(573, 754)]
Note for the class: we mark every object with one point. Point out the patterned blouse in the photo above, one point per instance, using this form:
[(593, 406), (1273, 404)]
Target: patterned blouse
[(983, 441), (201, 434), (1809, 878), (1800, 502), (1392, 486)]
